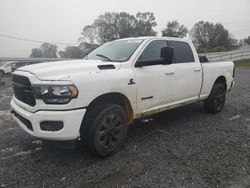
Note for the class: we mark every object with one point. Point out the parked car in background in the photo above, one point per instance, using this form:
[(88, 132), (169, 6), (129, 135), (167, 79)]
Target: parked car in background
[(18, 64), (6, 69)]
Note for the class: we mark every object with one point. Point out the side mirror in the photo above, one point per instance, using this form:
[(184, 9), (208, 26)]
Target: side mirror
[(167, 54)]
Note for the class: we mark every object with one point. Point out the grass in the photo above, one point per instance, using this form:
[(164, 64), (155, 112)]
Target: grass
[(242, 63)]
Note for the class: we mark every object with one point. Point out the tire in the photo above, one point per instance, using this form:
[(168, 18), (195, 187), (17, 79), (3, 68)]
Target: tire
[(1, 73), (104, 129), (216, 100)]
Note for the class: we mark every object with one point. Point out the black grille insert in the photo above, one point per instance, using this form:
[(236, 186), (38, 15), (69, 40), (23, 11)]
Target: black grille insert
[(23, 90), (26, 122)]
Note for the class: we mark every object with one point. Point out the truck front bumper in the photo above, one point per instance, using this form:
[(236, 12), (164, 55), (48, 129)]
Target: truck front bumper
[(40, 124)]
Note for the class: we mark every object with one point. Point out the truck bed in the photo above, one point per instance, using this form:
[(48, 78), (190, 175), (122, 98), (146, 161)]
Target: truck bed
[(213, 70)]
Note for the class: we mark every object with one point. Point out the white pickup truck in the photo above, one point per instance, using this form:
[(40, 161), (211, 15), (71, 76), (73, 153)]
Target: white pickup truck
[(95, 99)]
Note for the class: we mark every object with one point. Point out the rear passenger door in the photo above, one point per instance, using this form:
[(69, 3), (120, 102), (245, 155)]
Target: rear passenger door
[(188, 73)]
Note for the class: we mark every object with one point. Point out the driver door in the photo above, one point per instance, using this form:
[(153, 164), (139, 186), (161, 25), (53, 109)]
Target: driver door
[(155, 83)]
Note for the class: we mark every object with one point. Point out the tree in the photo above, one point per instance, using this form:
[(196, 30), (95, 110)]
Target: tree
[(46, 50), (245, 41), (106, 27), (175, 29), (89, 34), (49, 50), (36, 52), (145, 23), (112, 25), (87, 47), (71, 52), (126, 25), (209, 37)]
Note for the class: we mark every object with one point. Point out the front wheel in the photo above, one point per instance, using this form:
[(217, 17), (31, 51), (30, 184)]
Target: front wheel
[(105, 129), (216, 100)]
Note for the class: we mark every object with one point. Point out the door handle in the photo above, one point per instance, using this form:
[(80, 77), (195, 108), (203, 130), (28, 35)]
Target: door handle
[(197, 70), (169, 73)]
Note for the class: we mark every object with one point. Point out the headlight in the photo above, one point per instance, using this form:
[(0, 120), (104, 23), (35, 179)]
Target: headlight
[(51, 94)]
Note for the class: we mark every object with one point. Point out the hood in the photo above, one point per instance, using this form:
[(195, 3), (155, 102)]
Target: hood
[(63, 70)]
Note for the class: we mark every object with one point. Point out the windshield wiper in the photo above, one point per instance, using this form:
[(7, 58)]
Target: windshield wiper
[(103, 56)]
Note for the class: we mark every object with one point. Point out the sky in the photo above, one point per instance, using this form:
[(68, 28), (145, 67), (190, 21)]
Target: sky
[(62, 20)]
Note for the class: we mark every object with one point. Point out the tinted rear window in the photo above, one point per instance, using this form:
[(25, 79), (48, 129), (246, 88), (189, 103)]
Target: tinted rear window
[(182, 52)]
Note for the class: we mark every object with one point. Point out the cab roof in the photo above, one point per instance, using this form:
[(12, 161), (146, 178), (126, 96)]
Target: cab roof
[(156, 37)]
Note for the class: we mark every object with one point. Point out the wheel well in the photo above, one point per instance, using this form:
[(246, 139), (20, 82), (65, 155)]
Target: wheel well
[(221, 80), (115, 98)]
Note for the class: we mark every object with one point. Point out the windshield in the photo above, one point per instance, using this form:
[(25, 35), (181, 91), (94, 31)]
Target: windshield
[(119, 51)]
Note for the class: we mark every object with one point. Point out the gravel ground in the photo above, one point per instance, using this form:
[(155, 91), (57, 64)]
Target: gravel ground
[(184, 147)]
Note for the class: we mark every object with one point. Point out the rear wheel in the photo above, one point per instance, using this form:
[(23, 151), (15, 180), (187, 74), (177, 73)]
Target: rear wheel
[(216, 100), (105, 129)]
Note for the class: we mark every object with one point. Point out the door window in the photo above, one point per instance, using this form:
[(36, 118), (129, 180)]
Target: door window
[(152, 53), (182, 52)]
